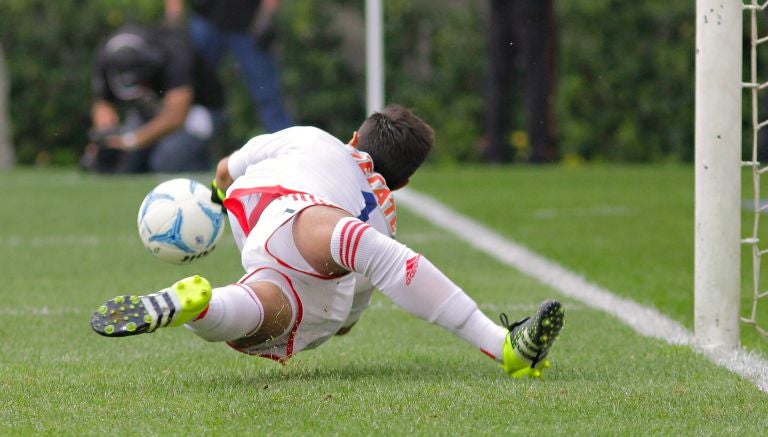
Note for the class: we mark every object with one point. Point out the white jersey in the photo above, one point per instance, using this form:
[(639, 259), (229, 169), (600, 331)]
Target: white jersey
[(310, 160), (275, 176)]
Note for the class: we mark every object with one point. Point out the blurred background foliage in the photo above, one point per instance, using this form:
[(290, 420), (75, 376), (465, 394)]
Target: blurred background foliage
[(625, 86)]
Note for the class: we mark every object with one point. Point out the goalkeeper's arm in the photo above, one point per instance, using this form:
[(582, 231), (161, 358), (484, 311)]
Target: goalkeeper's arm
[(223, 178), (220, 183), (255, 150)]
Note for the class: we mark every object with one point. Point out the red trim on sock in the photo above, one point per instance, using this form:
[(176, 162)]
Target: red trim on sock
[(202, 314), (357, 241), (353, 233), (488, 353), (341, 241)]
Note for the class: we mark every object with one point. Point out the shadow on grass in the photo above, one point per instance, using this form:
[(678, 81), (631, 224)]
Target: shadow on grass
[(267, 374)]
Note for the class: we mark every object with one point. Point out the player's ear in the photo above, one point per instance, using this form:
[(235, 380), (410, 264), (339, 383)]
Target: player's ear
[(354, 140)]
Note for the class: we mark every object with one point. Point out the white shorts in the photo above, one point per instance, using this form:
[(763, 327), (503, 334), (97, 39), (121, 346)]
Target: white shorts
[(322, 304)]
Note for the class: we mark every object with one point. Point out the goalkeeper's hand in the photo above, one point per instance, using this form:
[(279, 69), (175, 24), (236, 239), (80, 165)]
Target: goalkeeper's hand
[(218, 196)]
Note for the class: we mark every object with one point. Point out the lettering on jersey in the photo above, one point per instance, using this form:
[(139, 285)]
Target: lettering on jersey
[(385, 200), (411, 265), (364, 161), (379, 188)]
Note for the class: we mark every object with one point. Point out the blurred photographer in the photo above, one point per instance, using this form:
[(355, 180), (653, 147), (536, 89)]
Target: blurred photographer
[(156, 105)]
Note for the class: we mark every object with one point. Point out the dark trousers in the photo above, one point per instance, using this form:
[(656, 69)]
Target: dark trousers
[(521, 51), (257, 66)]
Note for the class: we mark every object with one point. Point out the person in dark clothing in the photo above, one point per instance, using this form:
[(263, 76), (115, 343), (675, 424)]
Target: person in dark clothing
[(522, 42), (156, 105), (246, 29)]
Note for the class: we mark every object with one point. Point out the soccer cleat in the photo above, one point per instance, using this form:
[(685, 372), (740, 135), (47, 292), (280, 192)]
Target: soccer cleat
[(529, 340), (173, 306)]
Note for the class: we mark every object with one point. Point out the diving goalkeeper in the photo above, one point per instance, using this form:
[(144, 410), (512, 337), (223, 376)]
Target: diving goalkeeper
[(314, 220)]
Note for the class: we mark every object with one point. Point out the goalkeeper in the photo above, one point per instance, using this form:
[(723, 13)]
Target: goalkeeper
[(314, 220)]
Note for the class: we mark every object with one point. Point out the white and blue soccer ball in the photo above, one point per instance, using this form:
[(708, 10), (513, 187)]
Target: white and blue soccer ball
[(178, 223)]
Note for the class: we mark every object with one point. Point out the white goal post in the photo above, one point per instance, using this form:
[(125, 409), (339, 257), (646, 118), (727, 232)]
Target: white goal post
[(717, 261), (374, 56)]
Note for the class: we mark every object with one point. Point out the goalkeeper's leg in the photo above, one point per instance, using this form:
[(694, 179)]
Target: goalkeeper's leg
[(134, 314), (414, 284), (258, 310)]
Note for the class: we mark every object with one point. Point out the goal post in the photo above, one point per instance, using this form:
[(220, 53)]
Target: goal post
[(374, 56), (717, 260)]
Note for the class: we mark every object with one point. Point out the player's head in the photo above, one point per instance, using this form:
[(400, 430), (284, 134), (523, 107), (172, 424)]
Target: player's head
[(398, 142), (129, 59)]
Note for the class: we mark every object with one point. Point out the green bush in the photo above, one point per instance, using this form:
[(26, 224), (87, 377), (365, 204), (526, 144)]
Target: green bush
[(626, 80), (625, 90), (50, 48)]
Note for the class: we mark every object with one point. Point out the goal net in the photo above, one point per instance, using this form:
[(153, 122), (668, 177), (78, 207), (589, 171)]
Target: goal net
[(759, 207)]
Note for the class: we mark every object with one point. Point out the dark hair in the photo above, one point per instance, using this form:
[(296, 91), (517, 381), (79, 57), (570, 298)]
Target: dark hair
[(398, 142)]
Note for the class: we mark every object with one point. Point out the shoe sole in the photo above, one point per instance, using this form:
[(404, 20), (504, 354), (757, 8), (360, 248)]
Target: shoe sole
[(132, 315), (122, 316), (542, 331)]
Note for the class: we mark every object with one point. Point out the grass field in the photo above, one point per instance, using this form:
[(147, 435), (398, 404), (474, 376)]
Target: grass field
[(68, 241)]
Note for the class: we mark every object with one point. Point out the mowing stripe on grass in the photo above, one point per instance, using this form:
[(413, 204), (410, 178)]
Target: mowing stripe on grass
[(645, 320), (26, 311), (66, 240), (79, 241)]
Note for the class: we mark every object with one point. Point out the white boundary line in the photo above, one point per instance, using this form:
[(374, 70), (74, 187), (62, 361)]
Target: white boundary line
[(646, 321)]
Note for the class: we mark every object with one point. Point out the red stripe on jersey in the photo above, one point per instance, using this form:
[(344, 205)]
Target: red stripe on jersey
[(267, 195), (235, 206)]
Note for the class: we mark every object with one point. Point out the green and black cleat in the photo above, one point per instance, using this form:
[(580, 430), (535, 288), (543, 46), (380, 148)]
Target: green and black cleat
[(530, 339), (132, 315)]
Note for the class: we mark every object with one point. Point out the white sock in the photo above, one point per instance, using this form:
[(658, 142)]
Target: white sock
[(413, 283), (234, 312), (460, 315)]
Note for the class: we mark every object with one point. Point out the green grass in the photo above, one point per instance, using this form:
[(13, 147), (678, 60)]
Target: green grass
[(626, 228), (68, 241)]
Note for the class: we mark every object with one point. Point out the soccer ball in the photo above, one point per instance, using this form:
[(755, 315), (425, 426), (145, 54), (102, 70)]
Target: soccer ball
[(178, 223)]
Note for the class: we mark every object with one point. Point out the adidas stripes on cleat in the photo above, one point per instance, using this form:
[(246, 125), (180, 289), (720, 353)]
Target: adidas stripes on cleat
[(132, 315), (529, 340)]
